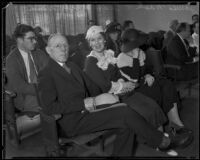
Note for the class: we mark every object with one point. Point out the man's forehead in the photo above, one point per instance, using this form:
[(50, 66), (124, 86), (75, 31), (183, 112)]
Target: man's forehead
[(29, 34), (57, 39)]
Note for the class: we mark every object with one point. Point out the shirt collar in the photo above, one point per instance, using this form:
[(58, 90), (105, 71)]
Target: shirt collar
[(23, 52), (61, 64)]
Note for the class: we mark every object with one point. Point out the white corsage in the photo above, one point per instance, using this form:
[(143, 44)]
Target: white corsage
[(104, 61)]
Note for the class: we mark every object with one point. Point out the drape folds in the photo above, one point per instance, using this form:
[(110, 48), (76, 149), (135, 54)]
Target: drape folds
[(64, 18)]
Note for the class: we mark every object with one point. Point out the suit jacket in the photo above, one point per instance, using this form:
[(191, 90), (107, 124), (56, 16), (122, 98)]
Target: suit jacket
[(18, 79), (64, 93), (176, 52)]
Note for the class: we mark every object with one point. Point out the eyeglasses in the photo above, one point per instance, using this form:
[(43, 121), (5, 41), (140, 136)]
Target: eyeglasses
[(31, 38), (60, 46)]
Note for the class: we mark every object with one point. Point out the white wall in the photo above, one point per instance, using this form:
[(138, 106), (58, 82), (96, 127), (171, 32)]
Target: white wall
[(155, 17)]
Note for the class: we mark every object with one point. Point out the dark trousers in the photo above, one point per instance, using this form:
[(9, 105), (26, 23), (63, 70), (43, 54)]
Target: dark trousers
[(124, 119)]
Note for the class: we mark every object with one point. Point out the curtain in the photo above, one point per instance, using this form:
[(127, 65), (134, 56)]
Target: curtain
[(104, 12), (65, 19), (11, 22)]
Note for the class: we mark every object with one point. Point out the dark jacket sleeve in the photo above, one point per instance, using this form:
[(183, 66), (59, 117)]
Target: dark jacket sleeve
[(178, 52), (96, 74), (16, 80), (50, 102)]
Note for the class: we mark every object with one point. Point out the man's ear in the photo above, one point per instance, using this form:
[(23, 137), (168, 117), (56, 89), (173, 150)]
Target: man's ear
[(48, 49), (20, 40)]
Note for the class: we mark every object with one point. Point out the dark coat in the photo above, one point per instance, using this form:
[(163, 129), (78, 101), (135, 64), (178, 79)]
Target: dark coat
[(17, 76), (177, 55), (64, 93), (176, 52)]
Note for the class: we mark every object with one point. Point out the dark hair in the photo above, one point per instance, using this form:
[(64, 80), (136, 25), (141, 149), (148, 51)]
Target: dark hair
[(194, 15), (181, 27), (38, 29), (21, 30), (127, 23)]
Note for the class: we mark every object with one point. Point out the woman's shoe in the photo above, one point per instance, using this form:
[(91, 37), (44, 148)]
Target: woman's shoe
[(177, 141), (183, 130), (181, 140), (175, 129)]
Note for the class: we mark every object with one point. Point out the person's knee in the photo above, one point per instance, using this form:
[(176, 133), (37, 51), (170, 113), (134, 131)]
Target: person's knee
[(126, 111)]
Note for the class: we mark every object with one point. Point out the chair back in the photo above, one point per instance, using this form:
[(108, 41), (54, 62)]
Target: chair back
[(10, 118), (154, 59)]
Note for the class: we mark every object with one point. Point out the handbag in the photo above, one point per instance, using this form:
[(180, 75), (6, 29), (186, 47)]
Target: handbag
[(108, 106)]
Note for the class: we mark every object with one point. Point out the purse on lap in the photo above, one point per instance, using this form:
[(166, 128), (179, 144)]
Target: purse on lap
[(108, 106)]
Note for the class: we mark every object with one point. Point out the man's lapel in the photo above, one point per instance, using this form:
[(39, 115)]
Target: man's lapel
[(76, 74), (64, 73), (183, 45)]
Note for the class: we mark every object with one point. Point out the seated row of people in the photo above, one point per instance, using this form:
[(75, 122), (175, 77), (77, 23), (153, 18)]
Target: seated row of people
[(110, 73), (67, 90)]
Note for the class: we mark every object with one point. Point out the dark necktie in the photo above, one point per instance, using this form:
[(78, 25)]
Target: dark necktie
[(66, 68), (33, 74)]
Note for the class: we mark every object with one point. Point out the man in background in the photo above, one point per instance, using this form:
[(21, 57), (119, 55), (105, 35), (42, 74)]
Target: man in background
[(195, 37), (178, 54), (195, 18), (171, 32)]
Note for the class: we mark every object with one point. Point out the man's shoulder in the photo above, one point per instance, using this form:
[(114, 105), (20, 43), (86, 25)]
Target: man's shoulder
[(13, 55)]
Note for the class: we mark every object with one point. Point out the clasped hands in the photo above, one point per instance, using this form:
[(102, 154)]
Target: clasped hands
[(105, 98)]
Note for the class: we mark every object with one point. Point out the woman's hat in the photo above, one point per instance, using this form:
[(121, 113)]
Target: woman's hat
[(112, 28), (132, 39), (92, 31)]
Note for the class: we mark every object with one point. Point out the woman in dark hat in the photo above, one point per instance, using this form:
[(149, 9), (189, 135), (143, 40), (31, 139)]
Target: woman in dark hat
[(131, 63), (101, 67), (112, 36)]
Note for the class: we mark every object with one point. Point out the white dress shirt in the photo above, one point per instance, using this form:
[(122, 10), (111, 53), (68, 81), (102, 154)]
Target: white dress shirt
[(195, 38), (26, 61)]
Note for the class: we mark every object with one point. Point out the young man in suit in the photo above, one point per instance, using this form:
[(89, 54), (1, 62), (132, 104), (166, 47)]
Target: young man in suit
[(178, 54), (65, 89), (22, 66)]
